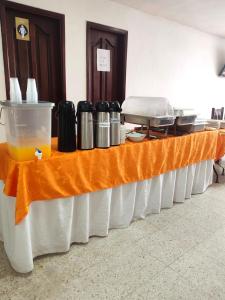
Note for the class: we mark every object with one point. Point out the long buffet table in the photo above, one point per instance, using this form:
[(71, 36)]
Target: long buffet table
[(93, 191)]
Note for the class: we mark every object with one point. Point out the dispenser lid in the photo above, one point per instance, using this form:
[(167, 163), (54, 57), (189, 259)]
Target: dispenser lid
[(102, 106), (25, 105), (115, 106), (84, 106)]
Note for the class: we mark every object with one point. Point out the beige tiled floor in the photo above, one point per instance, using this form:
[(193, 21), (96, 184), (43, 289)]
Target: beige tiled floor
[(179, 254)]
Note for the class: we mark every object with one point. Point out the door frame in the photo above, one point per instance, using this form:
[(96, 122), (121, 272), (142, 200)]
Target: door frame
[(124, 33), (60, 18)]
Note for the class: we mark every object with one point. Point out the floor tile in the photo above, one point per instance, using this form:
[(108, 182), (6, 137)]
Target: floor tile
[(167, 285), (207, 218), (162, 246), (165, 218), (214, 247), (129, 270), (204, 272)]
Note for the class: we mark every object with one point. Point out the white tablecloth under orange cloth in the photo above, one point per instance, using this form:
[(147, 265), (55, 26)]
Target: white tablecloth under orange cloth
[(52, 226)]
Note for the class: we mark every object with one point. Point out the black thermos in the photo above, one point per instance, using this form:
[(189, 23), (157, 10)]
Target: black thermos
[(66, 126)]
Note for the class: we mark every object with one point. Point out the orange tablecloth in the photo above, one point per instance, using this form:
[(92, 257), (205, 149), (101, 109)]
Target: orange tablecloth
[(68, 174)]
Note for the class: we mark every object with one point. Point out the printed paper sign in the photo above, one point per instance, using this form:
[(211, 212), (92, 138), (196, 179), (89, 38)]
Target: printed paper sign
[(103, 60)]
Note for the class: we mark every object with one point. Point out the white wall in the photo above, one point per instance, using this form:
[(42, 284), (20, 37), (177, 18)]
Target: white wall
[(164, 58)]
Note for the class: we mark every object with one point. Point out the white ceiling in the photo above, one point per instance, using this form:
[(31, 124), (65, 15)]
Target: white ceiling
[(205, 15)]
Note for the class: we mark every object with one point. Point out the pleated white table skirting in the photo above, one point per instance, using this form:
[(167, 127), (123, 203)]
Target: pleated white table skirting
[(51, 226)]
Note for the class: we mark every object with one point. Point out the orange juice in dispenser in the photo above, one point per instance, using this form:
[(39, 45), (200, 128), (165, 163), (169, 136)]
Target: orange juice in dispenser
[(28, 128)]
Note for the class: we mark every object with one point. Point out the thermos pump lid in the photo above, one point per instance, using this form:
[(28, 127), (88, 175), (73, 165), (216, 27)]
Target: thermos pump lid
[(115, 106), (66, 106), (84, 106), (102, 106)]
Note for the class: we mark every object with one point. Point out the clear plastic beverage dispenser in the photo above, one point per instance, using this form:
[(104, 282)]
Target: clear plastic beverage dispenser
[(28, 128)]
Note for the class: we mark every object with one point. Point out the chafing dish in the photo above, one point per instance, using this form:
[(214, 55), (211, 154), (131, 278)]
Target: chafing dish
[(152, 112), (157, 114), (159, 121), (185, 121), (195, 127)]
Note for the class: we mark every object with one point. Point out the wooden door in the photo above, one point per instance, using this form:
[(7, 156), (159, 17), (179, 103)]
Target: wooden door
[(106, 85), (41, 58)]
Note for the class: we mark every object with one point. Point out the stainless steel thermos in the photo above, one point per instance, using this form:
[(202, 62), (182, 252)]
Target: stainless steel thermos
[(85, 130), (115, 111), (102, 125), (66, 126)]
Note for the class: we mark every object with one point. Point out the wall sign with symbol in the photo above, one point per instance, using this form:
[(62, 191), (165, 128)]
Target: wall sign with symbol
[(22, 29)]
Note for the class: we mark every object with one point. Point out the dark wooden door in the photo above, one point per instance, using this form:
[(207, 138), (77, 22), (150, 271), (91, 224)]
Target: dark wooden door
[(102, 85), (41, 58)]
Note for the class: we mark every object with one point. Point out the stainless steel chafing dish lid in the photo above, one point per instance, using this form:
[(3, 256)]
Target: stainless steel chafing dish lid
[(149, 111), (184, 116), (180, 112), (147, 106)]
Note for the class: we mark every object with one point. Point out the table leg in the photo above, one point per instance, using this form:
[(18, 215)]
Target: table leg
[(217, 176), (218, 163)]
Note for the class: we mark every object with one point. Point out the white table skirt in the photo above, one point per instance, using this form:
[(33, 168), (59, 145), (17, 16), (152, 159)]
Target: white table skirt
[(51, 226)]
